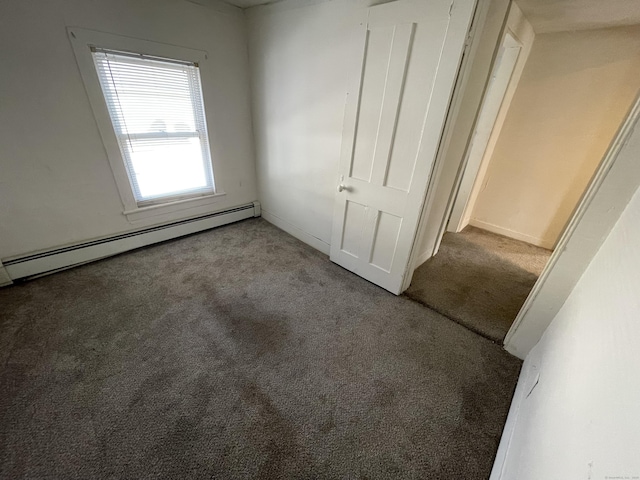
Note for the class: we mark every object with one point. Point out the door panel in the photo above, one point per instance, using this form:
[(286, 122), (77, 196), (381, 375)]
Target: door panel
[(397, 105), (372, 98), (353, 224), (385, 240)]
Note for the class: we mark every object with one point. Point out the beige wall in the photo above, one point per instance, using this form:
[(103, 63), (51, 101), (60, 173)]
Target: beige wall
[(574, 92)]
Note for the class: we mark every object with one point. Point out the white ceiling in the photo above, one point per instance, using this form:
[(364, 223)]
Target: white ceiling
[(562, 15)]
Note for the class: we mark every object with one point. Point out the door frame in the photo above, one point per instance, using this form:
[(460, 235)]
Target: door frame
[(613, 184), (486, 132), (479, 153), (475, 69)]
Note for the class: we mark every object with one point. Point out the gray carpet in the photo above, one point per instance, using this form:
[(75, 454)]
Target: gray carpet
[(240, 353), (479, 279)]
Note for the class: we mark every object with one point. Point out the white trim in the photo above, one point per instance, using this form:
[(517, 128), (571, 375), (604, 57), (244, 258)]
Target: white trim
[(294, 231), (523, 237), (614, 183), (257, 209), (142, 213), (5, 279), (69, 256), (527, 381), (81, 39)]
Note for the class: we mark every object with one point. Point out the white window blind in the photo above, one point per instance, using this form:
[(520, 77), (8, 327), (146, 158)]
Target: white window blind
[(158, 116)]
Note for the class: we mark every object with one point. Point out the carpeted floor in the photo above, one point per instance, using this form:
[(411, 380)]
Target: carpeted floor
[(240, 353), (479, 279)]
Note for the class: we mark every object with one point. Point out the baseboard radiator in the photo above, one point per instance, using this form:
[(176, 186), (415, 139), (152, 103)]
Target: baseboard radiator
[(61, 258)]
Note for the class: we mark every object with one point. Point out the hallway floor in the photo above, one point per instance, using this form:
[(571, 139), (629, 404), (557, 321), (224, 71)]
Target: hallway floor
[(479, 279), (240, 352)]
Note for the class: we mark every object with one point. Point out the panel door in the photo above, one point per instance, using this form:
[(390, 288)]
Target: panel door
[(396, 108)]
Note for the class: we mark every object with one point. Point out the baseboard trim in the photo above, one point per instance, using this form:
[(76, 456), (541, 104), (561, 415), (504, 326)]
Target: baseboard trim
[(69, 256), (529, 377), (294, 231), (423, 257), (538, 242)]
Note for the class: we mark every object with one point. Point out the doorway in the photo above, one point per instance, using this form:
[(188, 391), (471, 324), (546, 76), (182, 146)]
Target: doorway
[(541, 134)]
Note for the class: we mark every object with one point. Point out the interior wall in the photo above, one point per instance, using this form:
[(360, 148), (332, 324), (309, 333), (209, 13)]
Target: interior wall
[(302, 54), (574, 92), (56, 185), (579, 386)]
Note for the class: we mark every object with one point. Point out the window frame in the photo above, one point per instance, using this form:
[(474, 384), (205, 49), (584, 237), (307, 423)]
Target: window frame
[(82, 41)]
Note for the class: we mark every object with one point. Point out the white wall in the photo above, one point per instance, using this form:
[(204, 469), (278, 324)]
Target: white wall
[(302, 54), (574, 92), (56, 186), (581, 420)]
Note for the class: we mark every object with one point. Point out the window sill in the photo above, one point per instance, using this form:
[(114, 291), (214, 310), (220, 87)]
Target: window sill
[(137, 214)]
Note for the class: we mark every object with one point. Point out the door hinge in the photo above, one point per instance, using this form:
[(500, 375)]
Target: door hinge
[(469, 40)]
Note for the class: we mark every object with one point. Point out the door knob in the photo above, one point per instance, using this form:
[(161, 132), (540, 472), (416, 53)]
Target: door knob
[(342, 187)]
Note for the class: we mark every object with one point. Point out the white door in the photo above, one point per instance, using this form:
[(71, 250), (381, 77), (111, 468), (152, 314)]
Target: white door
[(411, 50)]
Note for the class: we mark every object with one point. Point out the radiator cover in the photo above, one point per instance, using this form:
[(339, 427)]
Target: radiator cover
[(66, 257)]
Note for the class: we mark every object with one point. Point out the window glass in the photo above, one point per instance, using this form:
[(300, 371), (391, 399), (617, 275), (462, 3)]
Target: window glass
[(158, 116)]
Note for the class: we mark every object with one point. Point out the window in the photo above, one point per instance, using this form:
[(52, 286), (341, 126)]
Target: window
[(148, 105), (156, 108)]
